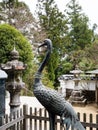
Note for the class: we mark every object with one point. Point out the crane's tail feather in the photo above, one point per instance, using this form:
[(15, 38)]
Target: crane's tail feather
[(73, 122), (67, 122), (78, 126)]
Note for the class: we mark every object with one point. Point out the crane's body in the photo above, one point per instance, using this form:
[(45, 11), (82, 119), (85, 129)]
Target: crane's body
[(47, 100), (52, 100)]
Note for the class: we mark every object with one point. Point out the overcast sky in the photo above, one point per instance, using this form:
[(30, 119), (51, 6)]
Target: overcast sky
[(90, 7)]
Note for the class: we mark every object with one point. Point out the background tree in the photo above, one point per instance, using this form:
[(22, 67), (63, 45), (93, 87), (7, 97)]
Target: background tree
[(90, 60), (9, 36), (18, 15), (54, 23), (79, 35), (70, 35)]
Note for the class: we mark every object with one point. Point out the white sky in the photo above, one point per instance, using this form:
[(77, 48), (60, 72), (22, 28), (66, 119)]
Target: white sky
[(90, 7)]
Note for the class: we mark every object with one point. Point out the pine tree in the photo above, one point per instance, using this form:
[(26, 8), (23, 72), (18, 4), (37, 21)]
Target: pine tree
[(79, 35), (54, 23)]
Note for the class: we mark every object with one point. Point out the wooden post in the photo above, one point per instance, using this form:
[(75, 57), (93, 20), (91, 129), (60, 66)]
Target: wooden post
[(97, 120), (25, 121), (96, 90)]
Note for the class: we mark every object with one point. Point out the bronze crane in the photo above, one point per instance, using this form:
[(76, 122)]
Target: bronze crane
[(52, 100)]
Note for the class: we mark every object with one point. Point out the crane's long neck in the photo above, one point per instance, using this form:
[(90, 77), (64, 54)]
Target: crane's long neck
[(41, 67), (45, 60)]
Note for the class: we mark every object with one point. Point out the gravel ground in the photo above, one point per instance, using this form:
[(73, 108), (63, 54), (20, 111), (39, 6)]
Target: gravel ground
[(33, 102), (89, 109), (30, 101)]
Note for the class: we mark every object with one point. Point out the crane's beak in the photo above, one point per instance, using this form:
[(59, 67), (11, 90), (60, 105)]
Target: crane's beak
[(42, 45)]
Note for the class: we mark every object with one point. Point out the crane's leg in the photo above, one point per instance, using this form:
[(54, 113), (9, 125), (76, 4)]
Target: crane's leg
[(66, 121), (68, 125), (52, 121)]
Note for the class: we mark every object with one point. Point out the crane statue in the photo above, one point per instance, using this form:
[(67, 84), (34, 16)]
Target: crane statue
[(52, 100)]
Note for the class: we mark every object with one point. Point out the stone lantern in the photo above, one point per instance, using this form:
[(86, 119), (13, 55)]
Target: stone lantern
[(14, 83), (77, 78), (76, 95)]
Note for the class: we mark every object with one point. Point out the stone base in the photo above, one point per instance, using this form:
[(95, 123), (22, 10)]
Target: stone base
[(77, 98), (79, 103)]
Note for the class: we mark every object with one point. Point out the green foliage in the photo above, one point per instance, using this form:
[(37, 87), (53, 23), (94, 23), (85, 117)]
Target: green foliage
[(54, 23), (9, 36), (64, 67), (46, 81), (71, 39), (18, 15), (75, 57), (91, 56), (79, 35), (86, 64), (67, 66)]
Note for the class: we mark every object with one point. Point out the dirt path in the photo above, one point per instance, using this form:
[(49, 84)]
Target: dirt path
[(89, 109)]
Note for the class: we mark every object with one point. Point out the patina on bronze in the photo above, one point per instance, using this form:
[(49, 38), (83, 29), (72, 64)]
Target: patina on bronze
[(53, 101)]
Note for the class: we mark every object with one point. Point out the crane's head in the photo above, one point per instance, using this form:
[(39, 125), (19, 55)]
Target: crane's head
[(48, 44)]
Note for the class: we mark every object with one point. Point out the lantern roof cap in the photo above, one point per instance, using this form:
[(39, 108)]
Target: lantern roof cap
[(93, 71), (76, 71)]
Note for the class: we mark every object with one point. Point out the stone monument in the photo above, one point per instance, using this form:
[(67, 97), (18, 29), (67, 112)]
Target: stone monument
[(76, 97)]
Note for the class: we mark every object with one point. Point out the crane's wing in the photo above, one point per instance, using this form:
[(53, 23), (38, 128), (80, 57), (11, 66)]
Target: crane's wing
[(55, 103), (52, 100)]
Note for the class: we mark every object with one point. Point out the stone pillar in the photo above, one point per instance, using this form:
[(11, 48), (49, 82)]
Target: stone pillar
[(3, 77)]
